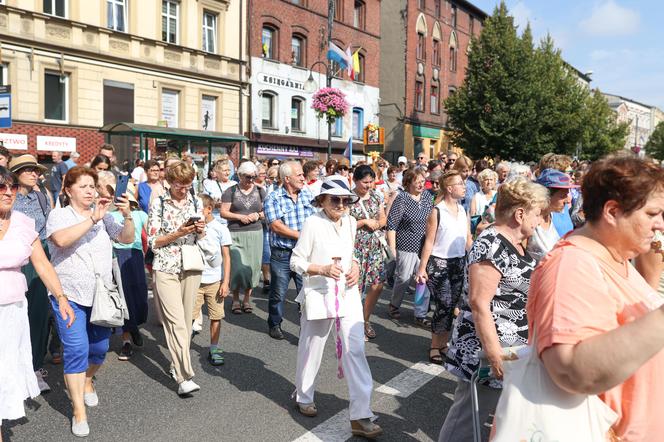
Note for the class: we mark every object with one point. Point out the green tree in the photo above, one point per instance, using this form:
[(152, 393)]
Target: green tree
[(655, 145), (602, 134), (519, 101)]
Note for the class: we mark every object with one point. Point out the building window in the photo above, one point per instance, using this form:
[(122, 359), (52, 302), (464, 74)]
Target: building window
[(210, 32), (297, 107), (298, 47), (336, 69), (339, 10), (359, 14), (116, 15), (360, 76), (471, 26), (421, 51), (338, 128), (208, 112), (268, 102), (436, 52), (421, 5), (4, 74), (169, 21), (56, 88), (453, 59), (170, 107), (296, 2), (268, 41), (451, 91), (54, 7), (434, 100), (358, 123), (454, 16), (436, 7), (419, 96)]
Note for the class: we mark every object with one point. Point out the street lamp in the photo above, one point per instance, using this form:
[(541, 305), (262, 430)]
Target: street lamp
[(311, 86)]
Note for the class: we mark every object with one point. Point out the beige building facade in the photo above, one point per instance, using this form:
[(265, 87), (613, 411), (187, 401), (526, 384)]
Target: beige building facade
[(76, 65)]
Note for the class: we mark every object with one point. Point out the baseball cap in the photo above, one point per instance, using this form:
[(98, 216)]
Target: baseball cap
[(555, 179), (402, 160)]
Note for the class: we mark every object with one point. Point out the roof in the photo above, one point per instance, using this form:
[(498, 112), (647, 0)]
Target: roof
[(171, 133), (468, 5), (618, 98)]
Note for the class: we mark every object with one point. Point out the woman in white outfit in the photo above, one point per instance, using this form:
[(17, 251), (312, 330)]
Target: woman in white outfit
[(324, 256), (487, 179)]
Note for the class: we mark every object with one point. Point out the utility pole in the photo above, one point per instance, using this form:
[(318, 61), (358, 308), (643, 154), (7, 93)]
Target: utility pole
[(328, 76)]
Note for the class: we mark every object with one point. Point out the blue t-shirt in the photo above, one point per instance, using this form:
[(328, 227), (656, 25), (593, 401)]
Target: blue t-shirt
[(562, 221)]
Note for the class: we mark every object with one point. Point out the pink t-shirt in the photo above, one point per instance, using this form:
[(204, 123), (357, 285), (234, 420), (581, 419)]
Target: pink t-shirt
[(15, 251), (575, 294)]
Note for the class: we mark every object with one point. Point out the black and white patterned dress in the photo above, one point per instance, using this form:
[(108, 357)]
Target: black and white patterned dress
[(508, 307)]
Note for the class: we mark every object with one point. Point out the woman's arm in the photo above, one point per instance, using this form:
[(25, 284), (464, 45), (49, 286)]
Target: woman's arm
[(429, 238), (650, 266), (601, 362), (473, 206), (382, 217), (225, 212), (484, 279), (50, 279), (69, 235)]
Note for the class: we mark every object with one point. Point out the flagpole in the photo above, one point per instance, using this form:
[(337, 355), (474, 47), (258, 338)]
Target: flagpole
[(328, 65)]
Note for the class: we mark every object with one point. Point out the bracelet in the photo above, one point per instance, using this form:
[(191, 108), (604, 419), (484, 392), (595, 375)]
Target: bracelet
[(93, 220), (57, 298)]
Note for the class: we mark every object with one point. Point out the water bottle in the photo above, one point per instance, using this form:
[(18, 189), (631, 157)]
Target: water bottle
[(419, 293)]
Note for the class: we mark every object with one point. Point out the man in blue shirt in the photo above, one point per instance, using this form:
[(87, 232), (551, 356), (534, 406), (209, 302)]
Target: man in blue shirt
[(285, 209), (58, 172), (72, 160)]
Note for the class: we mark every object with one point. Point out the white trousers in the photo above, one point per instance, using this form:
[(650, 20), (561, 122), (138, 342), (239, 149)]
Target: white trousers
[(313, 335)]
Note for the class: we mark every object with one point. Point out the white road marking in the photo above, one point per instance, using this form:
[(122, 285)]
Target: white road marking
[(337, 428)]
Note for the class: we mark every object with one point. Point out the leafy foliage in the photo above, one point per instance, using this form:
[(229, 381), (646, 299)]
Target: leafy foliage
[(655, 145)]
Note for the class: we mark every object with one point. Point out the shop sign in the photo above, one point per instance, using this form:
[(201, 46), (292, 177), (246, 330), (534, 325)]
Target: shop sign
[(274, 80), (5, 106), (14, 141), (283, 151), (61, 144)]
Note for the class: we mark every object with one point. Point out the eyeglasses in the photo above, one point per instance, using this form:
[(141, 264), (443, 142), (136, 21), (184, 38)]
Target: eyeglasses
[(344, 168), (249, 177), (12, 187), (181, 186), (336, 200), (30, 169), (274, 163)]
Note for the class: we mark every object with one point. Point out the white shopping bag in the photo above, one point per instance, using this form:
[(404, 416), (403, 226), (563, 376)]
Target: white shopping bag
[(532, 407)]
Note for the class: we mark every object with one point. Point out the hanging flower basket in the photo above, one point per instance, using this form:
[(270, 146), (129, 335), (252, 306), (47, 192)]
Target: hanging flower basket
[(330, 103)]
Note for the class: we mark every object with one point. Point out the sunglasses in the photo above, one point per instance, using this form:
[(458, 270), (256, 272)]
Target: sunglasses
[(250, 177), (274, 163), (342, 168), (336, 200), (4, 187), (30, 169)]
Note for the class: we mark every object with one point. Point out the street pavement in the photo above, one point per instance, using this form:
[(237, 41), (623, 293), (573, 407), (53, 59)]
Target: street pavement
[(249, 398)]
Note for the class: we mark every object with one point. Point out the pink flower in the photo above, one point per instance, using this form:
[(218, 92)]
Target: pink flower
[(330, 102)]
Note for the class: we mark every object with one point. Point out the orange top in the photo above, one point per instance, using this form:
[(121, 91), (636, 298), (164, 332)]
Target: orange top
[(575, 294)]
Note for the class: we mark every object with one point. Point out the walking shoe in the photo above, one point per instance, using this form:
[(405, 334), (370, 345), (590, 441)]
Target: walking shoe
[(125, 352), (187, 387), (308, 410), (266, 286), (365, 428), (369, 332), (171, 373), (276, 332), (91, 399), (197, 326), (423, 323), (43, 386), (79, 429), (137, 338), (216, 357)]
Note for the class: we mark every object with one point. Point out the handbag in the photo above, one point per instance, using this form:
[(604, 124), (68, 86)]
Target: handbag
[(385, 250), (533, 407), (192, 258), (109, 308)]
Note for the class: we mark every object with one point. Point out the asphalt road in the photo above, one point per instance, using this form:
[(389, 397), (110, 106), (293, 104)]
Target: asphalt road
[(247, 399)]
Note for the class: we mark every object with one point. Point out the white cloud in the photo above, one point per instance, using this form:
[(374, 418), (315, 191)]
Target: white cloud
[(609, 18), (522, 15)]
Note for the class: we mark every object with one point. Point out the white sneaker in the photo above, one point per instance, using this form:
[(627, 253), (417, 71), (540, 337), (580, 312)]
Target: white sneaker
[(197, 327), (172, 374), (79, 429), (187, 387), (43, 386), (91, 399)]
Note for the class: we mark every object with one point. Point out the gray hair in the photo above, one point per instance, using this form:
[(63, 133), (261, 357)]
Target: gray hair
[(503, 165), (74, 155), (247, 168), (518, 170), (286, 169)]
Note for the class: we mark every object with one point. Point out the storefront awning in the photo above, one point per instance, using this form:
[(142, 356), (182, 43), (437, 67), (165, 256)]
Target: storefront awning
[(171, 133)]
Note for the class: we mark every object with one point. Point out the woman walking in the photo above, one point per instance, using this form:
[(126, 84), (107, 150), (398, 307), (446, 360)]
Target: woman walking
[(79, 238), (442, 263), (487, 179), (324, 254), (216, 189), (406, 224), (176, 221), (151, 189), (370, 215), (242, 207)]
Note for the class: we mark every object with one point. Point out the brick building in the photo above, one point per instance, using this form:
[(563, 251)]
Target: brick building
[(423, 60), (74, 66), (287, 39)]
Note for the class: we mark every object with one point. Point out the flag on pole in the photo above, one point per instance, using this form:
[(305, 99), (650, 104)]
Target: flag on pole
[(348, 153), (356, 65), (336, 54)]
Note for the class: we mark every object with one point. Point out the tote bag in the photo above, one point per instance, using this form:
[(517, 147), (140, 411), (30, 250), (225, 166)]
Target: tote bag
[(109, 308), (533, 407)]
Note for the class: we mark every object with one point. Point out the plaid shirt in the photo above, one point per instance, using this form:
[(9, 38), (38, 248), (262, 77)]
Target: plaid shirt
[(279, 206)]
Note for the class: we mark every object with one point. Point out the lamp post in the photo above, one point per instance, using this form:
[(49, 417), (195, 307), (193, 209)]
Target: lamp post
[(311, 86)]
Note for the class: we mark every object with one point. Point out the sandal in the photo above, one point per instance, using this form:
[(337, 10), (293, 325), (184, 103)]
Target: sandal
[(393, 311), (236, 309), (369, 332), (436, 358), (308, 410), (246, 308)]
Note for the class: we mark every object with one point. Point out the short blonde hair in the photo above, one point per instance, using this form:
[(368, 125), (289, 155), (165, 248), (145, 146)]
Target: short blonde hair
[(487, 174), (463, 162), (180, 172), (221, 163), (520, 193)]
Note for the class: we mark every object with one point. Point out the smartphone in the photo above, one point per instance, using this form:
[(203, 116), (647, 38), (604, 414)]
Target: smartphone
[(192, 220), (121, 186)]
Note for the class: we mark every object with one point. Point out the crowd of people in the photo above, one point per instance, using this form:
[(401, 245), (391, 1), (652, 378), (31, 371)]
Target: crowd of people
[(487, 250)]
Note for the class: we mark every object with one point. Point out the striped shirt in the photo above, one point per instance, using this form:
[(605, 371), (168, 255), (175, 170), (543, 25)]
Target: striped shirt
[(280, 206)]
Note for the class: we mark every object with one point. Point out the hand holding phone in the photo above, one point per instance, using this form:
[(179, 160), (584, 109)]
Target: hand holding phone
[(192, 220), (121, 186)]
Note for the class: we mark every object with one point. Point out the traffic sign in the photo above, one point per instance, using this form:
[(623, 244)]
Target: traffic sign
[(5, 107)]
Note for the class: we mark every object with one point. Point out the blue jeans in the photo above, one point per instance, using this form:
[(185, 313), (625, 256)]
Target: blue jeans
[(280, 276), (83, 343)]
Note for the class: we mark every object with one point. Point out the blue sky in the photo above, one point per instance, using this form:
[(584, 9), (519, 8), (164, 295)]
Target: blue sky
[(621, 41)]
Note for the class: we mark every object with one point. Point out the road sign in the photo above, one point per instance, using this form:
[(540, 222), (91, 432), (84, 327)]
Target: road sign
[(5, 107)]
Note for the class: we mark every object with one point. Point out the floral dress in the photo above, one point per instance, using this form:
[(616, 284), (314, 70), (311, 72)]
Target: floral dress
[(367, 246)]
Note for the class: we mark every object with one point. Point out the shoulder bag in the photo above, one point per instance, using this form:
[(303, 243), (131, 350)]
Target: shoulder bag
[(109, 308)]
